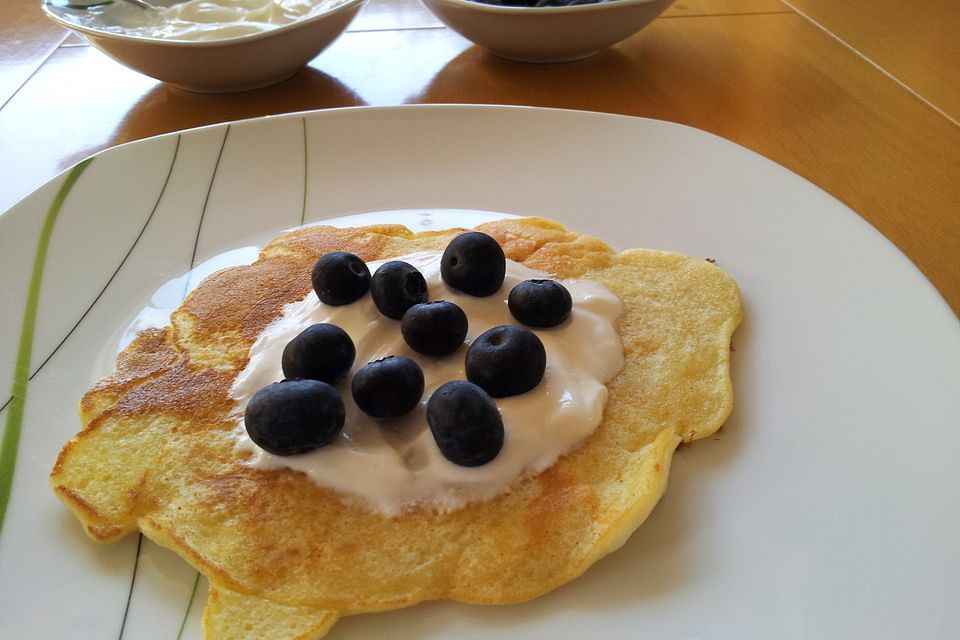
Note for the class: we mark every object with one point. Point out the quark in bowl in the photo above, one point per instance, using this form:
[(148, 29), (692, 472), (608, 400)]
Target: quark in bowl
[(212, 46), (201, 20)]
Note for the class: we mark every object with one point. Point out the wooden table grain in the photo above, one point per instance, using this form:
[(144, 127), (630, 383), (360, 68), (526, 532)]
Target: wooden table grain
[(862, 98)]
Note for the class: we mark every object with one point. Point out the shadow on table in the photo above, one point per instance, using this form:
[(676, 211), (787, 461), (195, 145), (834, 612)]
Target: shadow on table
[(650, 74), (166, 108), (604, 82)]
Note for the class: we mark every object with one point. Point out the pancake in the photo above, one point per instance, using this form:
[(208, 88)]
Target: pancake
[(156, 452), (235, 616)]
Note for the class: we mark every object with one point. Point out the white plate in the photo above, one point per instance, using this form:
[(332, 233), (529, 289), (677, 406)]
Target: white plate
[(828, 507)]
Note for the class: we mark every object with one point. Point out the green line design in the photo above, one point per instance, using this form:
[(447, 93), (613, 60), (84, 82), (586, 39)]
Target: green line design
[(193, 261), (21, 371), (303, 210), (186, 614)]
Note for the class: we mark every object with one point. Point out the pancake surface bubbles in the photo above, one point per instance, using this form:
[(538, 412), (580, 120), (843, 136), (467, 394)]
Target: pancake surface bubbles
[(156, 451)]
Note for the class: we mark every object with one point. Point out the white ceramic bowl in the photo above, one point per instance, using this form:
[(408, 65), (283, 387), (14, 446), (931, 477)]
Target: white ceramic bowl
[(220, 66), (546, 34)]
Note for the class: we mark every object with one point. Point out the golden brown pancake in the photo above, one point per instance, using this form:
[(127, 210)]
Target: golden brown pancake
[(156, 452), (235, 616)]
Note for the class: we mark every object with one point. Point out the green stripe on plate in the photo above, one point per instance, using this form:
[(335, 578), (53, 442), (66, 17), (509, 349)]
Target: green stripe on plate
[(21, 371)]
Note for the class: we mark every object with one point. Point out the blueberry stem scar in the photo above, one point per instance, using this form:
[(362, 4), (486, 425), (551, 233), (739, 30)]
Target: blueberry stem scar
[(21, 371)]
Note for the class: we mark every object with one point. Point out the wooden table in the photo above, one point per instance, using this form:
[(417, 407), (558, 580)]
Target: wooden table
[(861, 97)]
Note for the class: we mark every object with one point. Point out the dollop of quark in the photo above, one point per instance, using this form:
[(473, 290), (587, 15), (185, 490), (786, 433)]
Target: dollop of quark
[(391, 466)]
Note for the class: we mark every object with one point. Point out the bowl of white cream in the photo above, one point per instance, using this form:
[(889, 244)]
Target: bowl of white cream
[(210, 46)]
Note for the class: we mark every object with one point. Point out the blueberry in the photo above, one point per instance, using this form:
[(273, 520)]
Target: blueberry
[(320, 352), (295, 416), (396, 286), (388, 388), (465, 423), (434, 328), (540, 303), (506, 361), (474, 263), (339, 278)]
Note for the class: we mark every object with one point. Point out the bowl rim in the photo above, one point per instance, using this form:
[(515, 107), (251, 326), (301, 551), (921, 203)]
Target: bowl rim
[(173, 42), (477, 5)]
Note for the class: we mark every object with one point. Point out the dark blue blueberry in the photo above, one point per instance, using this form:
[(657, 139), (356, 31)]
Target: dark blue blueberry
[(320, 352), (396, 286), (294, 416), (339, 278), (506, 361), (388, 388), (465, 423), (474, 263), (434, 328), (540, 303)]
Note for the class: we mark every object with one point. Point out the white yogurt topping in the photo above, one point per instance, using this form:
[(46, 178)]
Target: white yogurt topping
[(393, 465), (201, 19)]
